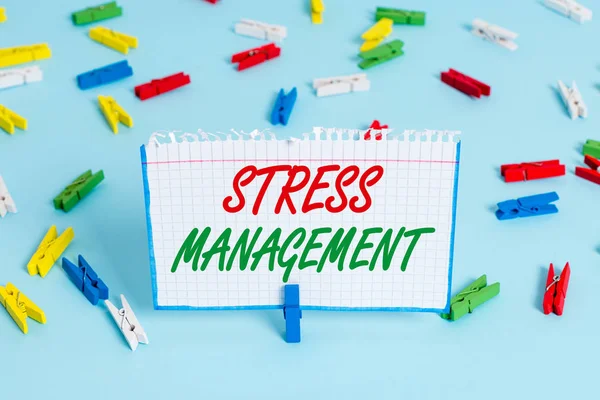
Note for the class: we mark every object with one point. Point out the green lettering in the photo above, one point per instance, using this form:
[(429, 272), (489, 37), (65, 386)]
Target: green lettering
[(416, 233), (337, 248), (242, 246), (384, 245), (269, 246), (191, 248), (289, 263), (310, 245), (362, 245), (221, 245)]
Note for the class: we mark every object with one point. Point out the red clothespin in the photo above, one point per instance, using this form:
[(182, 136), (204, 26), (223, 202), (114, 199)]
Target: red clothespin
[(556, 290), (212, 1), (252, 57), (532, 170), (591, 174), (465, 83), (377, 126), (160, 86)]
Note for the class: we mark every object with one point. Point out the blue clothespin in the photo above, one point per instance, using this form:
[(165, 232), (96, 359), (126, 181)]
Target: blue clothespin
[(283, 107), (529, 206), (103, 75), (86, 280), (292, 313)]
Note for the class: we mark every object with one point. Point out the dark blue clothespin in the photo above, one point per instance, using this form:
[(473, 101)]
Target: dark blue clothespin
[(283, 107), (86, 280), (529, 206), (103, 75), (292, 313)]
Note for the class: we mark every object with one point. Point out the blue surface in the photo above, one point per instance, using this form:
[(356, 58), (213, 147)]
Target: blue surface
[(506, 349)]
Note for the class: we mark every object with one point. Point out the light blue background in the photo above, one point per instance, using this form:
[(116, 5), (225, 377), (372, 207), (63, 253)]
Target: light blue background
[(507, 349)]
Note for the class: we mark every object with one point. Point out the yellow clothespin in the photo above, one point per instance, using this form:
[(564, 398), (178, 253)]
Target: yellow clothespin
[(9, 119), (2, 15), (375, 34), (115, 40), (317, 7), (114, 113), (49, 250), (23, 54), (20, 307)]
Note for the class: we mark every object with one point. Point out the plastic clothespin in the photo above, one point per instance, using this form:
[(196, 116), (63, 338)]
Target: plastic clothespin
[(103, 75), (86, 280), (556, 290), (261, 30), (20, 76), (9, 119), (161, 86), (341, 84), (472, 297), (494, 34), (316, 11), (592, 173), (292, 313), (97, 13), (381, 54), (258, 55), (403, 17), (283, 107), (376, 34), (7, 204), (591, 148), (114, 113), (212, 1), (465, 84), (573, 100), (376, 126), (115, 40), (76, 191), (532, 170), (2, 15), (128, 323), (571, 9), (20, 307), (529, 206), (24, 54), (49, 251)]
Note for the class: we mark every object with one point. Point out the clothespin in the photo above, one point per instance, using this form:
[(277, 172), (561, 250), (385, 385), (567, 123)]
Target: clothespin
[(571, 9), (472, 297), (20, 307), (49, 250), (128, 323), (375, 34), (261, 30), (9, 119), (114, 113), (97, 13), (573, 100), (212, 1), (403, 17), (292, 313), (20, 76), (529, 206), (532, 170), (7, 204), (376, 126), (465, 84), (103, 75), (381, 54), (316, 10), (162, 85), (556, 290), (76, 191), (494, 34), (115, 40), (258, 55), (24, 54), (341, 84), (283, 107), (592, 173), (591, 148), (86, 280), (2, 15)]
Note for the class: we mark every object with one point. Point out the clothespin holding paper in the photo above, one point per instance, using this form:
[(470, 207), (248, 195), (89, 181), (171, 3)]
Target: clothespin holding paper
[(115, 40), (128, 323), (292, 313), (86, 280), (381, 54), (49, 250), (20, 307), (376, 34), (283, 107), (556, 290), (10, 119), (472, 297), (573, 100), (316, 11), (76, 191), (114, 113), (97, 13), (7, 204), (377, 127)]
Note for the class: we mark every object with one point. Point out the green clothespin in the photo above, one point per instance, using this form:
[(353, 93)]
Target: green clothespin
[(471, 298), (591, 148), (403, 17), (97, 13), (380, 54), (77, 190)]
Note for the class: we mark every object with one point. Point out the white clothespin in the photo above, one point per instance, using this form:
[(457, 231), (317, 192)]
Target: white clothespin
[(20, 76), (495, 34), (128, 323), (7, 204), (341, 84), (573, 100), (571, 9), (261, 30)]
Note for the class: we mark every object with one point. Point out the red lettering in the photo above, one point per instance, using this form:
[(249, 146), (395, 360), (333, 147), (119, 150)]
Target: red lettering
[(289, 187), (339, 184), (316, 185), (270, 172), (237, 182), (365, 182)]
